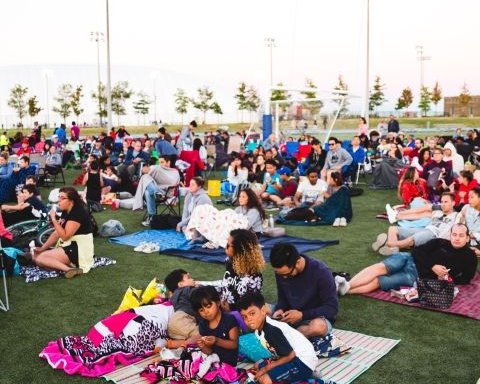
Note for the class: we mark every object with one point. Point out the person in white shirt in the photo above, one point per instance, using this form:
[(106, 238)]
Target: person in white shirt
[(310, 192)]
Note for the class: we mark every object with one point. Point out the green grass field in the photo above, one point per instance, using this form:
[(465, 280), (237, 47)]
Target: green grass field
[(435, 347)]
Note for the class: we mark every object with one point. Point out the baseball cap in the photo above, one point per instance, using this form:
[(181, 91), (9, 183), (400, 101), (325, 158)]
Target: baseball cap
[(284, 171)]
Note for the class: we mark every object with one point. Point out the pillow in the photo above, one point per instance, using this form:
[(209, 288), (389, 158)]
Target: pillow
[(251, 347)]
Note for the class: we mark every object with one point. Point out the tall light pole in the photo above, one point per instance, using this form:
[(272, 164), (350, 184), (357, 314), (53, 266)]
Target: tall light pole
[(422, 58), (267, 114), (366, 96), (47, 73), (270, 41), (109, 82), (154, 75), (98, 38)]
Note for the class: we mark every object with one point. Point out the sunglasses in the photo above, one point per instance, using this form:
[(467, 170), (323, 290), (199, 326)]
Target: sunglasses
[(288, 274)]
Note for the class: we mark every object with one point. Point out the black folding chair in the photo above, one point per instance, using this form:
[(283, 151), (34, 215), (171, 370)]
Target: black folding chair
[(169, 201)]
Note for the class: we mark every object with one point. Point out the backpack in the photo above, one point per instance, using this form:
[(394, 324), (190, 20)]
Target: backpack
[(111, 228), (164, 221), (9, 261)]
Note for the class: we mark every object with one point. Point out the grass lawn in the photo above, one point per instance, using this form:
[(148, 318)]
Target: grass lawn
[(435, 347)]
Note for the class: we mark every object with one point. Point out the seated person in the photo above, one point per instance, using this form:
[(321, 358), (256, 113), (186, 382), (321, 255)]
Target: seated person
[(29, 207), (338, 159), (182, 327), (435, 172), (437, 259), (462, 187), (6, 169), (134, 156), (289, 187), (249, 205), (272, 184), (110, 178), (314, 311), (155, 180), (358, 154), (53, 161), (219, 331), (470, 216), (196, 196), (411, 186), (18, 177), (294, 357), (316, 158), (404, 237), (25, 149), (72, 240), (237, 174), (311, 191)]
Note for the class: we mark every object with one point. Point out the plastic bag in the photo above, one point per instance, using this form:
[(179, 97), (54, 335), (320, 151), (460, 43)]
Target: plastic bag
[(136, 297)]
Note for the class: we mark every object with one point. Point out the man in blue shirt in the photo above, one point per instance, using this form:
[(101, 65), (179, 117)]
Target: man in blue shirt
[(307, 298), (165, 147)]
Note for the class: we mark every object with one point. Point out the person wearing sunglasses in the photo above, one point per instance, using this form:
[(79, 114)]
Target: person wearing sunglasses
[(338, 159), (307, 298)]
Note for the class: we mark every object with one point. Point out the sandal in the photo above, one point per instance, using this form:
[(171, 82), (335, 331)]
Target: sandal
[(73, 272)]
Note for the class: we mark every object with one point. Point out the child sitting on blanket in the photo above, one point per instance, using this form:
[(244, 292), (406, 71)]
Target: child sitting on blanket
[(294, 357), (182, 327), (219, 330)]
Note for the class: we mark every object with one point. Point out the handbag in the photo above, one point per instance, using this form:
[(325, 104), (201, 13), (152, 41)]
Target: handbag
[(435, 293)]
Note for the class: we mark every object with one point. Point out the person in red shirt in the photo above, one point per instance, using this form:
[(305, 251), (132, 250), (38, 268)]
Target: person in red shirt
[(462, 186), (25, 149), (289, 187), (412, 186)]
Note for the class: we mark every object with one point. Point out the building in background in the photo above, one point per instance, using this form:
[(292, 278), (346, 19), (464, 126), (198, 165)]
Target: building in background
[(452, 106)]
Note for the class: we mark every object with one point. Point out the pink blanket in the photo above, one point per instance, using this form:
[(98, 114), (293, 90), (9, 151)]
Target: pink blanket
[(467, 302)]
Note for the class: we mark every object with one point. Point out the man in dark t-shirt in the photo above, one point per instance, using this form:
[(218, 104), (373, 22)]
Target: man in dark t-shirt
[(29, 207)]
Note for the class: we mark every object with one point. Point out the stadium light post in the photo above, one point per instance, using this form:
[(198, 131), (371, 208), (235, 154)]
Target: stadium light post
[(98, 38)]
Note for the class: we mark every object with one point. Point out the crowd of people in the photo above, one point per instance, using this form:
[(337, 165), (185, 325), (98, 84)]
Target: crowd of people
[(435, 231)]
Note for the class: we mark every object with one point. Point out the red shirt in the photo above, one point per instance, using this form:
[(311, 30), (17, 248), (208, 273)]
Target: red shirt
[(409, 190), (464, 188), (289, 188), (24, 151)]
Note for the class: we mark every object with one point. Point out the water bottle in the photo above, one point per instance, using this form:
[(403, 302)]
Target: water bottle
[(271, 222)]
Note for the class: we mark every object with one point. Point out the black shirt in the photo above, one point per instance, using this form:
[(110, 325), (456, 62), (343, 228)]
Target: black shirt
[(227, 322), (277, 343), (80, 215)]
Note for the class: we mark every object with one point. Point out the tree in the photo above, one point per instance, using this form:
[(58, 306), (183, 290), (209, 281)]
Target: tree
[(120, 94), (241, 98), (17, 100), (204, 101), (464, 97), (425, 100), (75, 101), (280, 95), (64, 100), (101, 96), (253, 101), (436, 95), (216, 109), (313, 106), (341, 86), (405, 99), (182, 102), (377, 97), (142, 105), (33, 108)]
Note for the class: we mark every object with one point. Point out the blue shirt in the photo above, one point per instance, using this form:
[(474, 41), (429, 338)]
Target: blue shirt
[(271, 180), (163, 147)]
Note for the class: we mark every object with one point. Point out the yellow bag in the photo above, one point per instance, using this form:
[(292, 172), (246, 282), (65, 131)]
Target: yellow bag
[(150, 292), (214, 188), (136, 297), (131, 299)]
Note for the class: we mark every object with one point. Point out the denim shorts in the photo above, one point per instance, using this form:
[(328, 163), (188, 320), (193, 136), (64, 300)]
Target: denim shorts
[(420, 235), (401, 271), (294, 370)]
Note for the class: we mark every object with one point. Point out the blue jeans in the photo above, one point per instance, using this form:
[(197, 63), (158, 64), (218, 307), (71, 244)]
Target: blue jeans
[(149, 195), (401, 271)]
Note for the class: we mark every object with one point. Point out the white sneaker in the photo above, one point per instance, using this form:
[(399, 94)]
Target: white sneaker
[(336, 223), (343, 222), (146, 223), (342, 285), (151, 248), (140, 247), (391, 213)]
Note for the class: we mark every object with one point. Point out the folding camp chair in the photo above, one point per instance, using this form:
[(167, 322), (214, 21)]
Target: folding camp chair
[(4, 306), (169, 201)]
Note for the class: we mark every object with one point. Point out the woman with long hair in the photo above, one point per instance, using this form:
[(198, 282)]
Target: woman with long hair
[(411, 186), (258, 170), (251, 207), (72, 238), (244, 265), (362, 127)]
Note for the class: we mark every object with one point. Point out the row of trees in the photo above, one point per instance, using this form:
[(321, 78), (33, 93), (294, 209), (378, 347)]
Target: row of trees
[(68, 100)]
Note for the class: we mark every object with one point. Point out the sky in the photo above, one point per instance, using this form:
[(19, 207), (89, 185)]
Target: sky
[(220, 43)]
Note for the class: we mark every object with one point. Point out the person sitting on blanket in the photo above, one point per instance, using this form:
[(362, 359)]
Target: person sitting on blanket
[(72, 239), (244, 265), (307, 298), (411, 186), (270, 189), (183, 325), (196, 196), (437, 259), (294, 357), (312, 191), (289, 187), (405, 237), (219, 331), (251, 207), (29, 207)]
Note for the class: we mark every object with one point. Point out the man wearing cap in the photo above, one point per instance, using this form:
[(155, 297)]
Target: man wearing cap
[(289, 187), (25, 149), (310, 191)]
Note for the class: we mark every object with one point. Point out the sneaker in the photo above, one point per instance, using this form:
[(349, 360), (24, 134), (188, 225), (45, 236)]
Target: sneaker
[(146, 223), (380, 242), (151, 248), (336, 223), (140, 247), (343, 222), (391, 213), (387, 251), (73, 272), (343, 286)]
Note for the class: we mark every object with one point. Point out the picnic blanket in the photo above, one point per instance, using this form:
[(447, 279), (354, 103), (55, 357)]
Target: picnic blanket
[(366, 350), (33, 273), (123, 338), (165, 238), (466, 303), (267, 243)]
